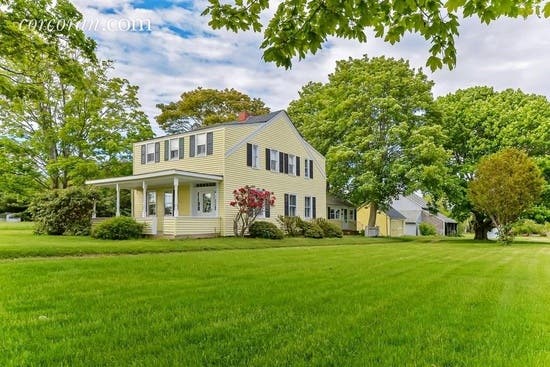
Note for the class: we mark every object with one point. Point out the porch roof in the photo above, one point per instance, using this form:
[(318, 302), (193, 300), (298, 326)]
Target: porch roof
[(154, 178)]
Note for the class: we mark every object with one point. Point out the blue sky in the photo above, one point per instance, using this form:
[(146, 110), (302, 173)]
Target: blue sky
[(181, 53)]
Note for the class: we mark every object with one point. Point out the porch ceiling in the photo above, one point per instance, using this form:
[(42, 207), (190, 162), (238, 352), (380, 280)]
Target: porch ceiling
[(155, 179)]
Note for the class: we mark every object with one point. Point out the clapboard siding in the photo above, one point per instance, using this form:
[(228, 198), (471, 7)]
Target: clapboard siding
[(189, 226), (279, 135), (209, 164)]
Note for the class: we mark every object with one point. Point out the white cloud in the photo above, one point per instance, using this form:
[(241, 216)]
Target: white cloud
[(506, 54)]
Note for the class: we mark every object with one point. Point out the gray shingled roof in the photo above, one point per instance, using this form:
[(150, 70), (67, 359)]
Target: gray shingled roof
[(331, 199), (445, 219), (251, 120), (417, 200), (394, 214)]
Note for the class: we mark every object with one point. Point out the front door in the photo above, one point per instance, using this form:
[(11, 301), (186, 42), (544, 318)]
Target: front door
[(205, 202)]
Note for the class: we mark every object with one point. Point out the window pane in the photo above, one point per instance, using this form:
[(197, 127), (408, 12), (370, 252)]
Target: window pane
[(201, 139), (201, 149), (150, 152), (151, 203), (274, 160), (168, 203), (207, 202), (174, 148), (255, 156)]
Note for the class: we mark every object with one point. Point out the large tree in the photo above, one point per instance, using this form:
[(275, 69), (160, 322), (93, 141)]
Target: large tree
[(73, 131), (204, 106), (62, 119), (373, 122), (297, 28), (505, 185), (479, 121)]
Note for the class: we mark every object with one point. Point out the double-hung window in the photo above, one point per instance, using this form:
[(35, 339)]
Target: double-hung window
[(274, 160), (255, 156), (307, 207), (308, 168), (169, 203), (151, 153), (292, 205), (201, 145), (151, 203), (174, 149), (291, 164)]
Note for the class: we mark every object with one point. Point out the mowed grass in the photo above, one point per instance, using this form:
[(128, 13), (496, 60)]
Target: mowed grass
[(409, 303), (17, 240)]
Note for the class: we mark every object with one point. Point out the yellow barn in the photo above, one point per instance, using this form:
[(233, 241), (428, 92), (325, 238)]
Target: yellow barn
[(389, 222)]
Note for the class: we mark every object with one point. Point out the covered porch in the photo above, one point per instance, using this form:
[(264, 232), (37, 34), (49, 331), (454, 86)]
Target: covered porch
[(171, 203)]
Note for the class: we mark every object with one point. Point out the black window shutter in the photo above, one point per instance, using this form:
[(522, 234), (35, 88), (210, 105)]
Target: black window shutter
[(249, 155), (209, 143), (286, 163), (281, 162), (297, 166), (267, 159), (143, 153), (286, 205), (328, 212), (192, 146), (167, 150), (181, 148), (267, 208), (157, 152), (311, 169), (314, 207)]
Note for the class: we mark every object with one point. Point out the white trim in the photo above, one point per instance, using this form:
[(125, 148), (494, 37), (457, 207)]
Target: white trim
[(140, 177), (310, 207), (297, 212), (215, 203)]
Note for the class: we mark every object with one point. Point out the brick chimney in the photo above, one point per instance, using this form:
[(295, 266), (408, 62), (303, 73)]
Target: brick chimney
[(243, 116)]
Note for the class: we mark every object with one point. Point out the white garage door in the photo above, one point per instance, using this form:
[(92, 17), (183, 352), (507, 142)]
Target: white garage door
[(410, 229)]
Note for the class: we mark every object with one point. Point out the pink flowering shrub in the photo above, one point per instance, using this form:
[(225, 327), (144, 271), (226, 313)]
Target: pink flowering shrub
[(250, 202)]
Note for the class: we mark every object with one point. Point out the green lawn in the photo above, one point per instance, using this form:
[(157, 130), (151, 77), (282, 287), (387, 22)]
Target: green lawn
[(348, 302)]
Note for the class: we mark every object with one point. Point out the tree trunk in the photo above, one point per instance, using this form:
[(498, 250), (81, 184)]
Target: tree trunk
[(373, 209), (482, 225)]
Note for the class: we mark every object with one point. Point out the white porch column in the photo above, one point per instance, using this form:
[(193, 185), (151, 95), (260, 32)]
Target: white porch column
[(94, 212), (144, 211), (117, 200), (176, 196)]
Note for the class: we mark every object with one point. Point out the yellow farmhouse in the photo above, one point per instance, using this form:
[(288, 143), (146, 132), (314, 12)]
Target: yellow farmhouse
[(182, 184)]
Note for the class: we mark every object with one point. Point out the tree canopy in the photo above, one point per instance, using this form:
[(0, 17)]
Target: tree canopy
[(62, 118), (479, 121), (204, 106), (296, 28), (373, 121), (26, 43), (505, 184)]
